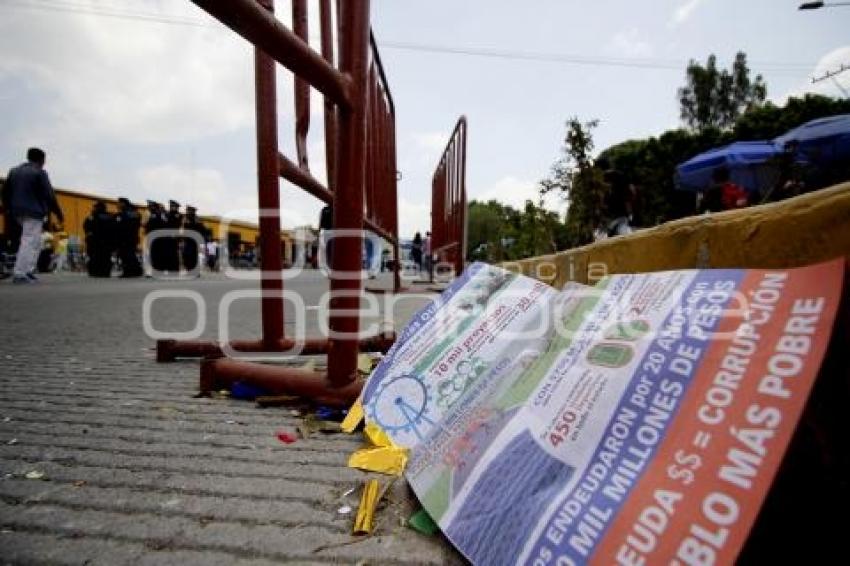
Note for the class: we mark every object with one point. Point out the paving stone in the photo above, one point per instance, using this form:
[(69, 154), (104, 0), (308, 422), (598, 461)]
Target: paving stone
[(139, 471)]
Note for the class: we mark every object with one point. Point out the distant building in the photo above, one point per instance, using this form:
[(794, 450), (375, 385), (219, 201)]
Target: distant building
[(236, 235)]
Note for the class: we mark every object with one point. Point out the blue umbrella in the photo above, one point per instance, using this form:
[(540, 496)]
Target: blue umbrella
[(751, 164), (823, 141)]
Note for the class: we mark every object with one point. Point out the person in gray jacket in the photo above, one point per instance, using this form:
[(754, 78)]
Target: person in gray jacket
[(29, 197)]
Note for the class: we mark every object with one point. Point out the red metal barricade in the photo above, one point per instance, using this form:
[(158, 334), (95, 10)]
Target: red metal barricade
[(361, 171), (448, 203)]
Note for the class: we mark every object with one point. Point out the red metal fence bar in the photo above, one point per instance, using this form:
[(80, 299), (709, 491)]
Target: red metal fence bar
[(382, 201), (361, 173), (256, 24), (268, 193), (348, 204), (448, 202)]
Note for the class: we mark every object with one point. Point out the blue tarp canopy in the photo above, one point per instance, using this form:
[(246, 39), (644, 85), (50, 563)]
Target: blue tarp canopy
[(751, 165), (823, 141)]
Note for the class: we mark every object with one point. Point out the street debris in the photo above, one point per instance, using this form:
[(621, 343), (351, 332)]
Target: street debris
[(35, 475), (381, 455), (276, 401), (330, 413), (311, 424), (246, 391), (422, 522), (353, 418), (344, 510), (286, 437), (364, 522), (550, 425), (366, 363)]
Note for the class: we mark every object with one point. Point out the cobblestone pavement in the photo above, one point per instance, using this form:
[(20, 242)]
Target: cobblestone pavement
[(137, 470)]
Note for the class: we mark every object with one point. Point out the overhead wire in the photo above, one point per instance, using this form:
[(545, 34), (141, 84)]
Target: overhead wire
[(82, 8)]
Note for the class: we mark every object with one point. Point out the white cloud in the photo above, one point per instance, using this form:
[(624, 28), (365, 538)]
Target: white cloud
[(413, 217), (832, 61), (432, 141), (514, 192), (629, 44), (205, 189), (209, 191), (429, 146), (129, 81), (684, 11)]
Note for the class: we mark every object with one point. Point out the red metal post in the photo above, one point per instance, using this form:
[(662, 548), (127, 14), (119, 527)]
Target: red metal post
[(462, 212), (448, 201), (394, 183), (222, 373), (330, 109), (348, 196), (261, 28), (302, 88), (268, 193)]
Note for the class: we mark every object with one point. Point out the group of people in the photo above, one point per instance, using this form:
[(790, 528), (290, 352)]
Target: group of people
[(117, 234), (181, 246), (29, 200), (108, 234)]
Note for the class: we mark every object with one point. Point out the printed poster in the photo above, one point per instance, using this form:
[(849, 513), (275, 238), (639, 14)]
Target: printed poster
[(638, 421)]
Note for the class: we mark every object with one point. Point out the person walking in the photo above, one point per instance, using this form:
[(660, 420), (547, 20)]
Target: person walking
[(128, 222), (29, 197)]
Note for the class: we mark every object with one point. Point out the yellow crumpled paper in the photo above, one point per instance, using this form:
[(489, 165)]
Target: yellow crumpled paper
[(382, 455), (353, 418), (365, 520)]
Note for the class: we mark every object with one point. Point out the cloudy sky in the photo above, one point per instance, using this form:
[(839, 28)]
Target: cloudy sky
[(154, 99)]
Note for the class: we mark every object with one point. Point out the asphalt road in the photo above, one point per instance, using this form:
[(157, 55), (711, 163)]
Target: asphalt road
[(106, 457)]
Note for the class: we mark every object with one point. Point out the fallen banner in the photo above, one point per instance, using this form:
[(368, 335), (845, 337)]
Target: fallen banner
[(638, 421)]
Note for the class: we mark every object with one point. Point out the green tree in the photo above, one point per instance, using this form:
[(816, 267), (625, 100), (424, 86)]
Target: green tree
[(651, 163), (715, 97), (769, 120), (574, 178), (486, 229), (498, 232)]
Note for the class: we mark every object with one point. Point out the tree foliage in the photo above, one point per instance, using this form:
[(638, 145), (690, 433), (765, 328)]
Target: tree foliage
[(578, 182), (768, 121), (715, 98), (718, 106), (651, 163), (498, 232)]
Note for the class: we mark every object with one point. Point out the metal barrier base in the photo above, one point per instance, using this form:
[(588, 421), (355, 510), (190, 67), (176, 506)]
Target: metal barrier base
[(221, 373), (170, 350)]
